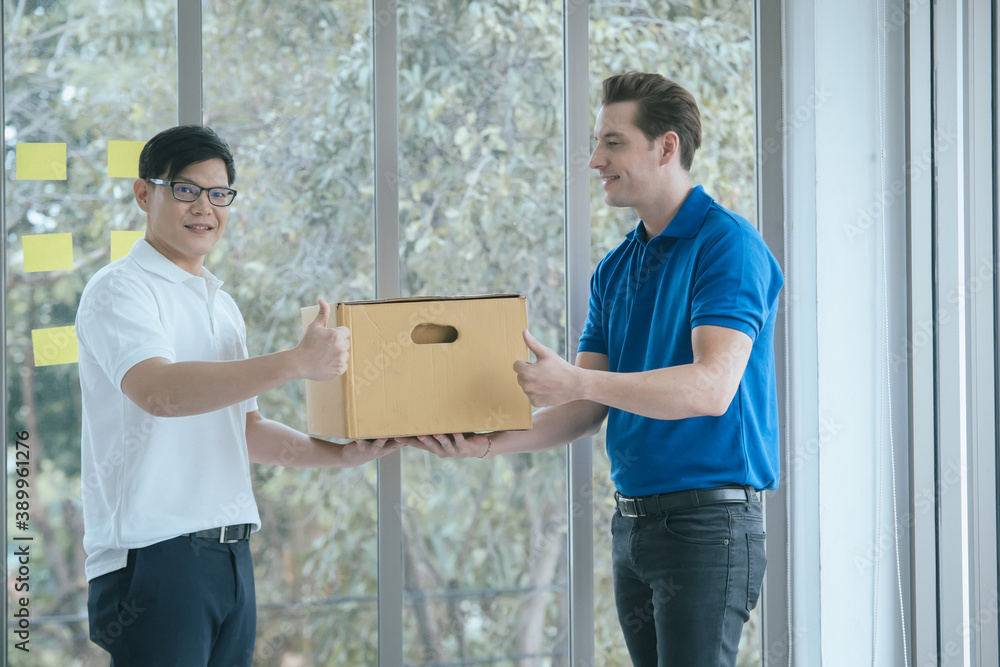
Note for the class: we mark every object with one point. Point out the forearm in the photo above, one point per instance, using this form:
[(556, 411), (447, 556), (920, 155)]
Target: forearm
[(272, 443), (552, 427), (679, 392), (185, 388), (704, 387), (179, 389)]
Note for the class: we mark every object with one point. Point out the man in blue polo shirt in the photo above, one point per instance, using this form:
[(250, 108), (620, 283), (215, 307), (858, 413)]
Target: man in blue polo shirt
[(677, 353)]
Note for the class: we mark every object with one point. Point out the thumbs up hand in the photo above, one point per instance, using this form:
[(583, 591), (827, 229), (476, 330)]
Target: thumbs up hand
[(323, 351), (550, 380)]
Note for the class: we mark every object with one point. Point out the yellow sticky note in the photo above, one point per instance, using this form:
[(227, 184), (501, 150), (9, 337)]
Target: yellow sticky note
[(123, 158), (55, 346), (121, 243), (47, 252), (39, 162)]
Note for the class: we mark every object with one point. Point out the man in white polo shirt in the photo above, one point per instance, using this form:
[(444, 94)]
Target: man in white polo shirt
[(170, 424)]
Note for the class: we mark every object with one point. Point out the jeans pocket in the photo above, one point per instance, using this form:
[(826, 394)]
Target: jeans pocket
[(708, 525), (755, 571)]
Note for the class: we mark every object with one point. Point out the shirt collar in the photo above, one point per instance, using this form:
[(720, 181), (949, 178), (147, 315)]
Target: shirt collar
[(150, 259), (687, 221)]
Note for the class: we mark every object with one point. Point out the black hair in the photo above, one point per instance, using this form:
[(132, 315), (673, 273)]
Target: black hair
[(172, 151)]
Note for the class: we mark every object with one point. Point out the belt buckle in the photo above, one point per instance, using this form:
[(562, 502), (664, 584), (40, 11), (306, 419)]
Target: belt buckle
[(222, 535), (630, 507)]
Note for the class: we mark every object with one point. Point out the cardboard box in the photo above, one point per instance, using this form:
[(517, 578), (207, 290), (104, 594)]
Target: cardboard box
[(424, 365)]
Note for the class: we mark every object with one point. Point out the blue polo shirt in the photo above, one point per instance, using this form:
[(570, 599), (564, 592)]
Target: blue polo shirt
[(709, 266)]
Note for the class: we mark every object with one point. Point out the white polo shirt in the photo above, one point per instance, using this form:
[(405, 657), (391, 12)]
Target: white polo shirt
[(147, 479)]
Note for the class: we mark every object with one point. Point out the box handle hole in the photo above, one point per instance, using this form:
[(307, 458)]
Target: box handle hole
[(431, 334)]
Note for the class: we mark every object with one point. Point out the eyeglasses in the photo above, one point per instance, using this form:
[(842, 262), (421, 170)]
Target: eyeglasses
[(189, 192)]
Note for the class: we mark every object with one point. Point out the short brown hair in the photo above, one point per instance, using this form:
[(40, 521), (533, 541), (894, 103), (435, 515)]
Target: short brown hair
[(663, 105)]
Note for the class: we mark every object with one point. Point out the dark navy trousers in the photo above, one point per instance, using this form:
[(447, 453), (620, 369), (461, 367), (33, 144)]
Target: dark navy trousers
[(685, 582), (185, 602)]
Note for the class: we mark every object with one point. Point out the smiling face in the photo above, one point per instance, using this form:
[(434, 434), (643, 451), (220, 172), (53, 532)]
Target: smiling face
[(184, 232), (628, 163), (645, 175)]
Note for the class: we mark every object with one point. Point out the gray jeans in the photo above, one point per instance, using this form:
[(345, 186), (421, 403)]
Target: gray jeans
[(685, 582)]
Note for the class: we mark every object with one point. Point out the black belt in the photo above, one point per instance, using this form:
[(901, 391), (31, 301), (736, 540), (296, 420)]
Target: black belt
[(667, 502), (226, 534)]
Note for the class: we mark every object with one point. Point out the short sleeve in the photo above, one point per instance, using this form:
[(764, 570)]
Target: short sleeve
[(593, 338), (737, 281), (119, 324)]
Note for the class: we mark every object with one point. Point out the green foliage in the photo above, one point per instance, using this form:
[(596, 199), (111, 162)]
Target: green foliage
[(480, 192)]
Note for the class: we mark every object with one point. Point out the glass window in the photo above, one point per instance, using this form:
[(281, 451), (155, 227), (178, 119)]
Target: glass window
[(708, 48), (79, 75), (481, 211), (289, 86), (480, 188)]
